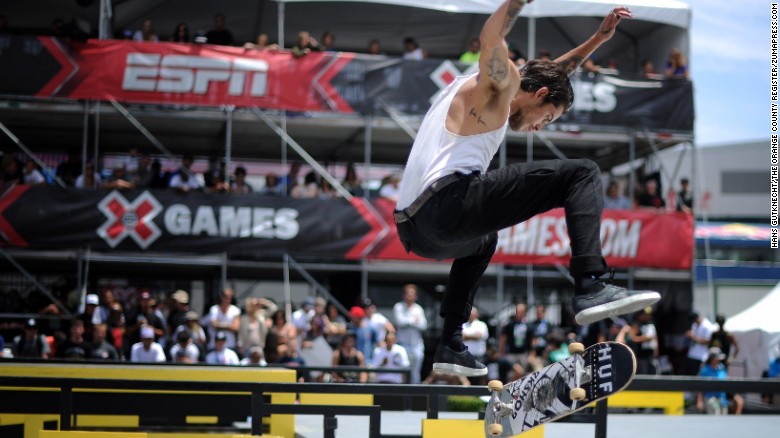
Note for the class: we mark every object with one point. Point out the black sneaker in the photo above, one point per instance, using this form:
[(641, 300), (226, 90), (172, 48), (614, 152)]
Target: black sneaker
[(462, 363), (610, 300)]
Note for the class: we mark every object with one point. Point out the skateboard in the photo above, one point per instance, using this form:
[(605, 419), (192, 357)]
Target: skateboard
[(559, 389)]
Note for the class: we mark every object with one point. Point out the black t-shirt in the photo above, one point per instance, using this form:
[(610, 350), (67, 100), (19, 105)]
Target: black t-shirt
[(498, 369), (518, 338), (104, 351), (74, 350), (646, 200), (220, 37)]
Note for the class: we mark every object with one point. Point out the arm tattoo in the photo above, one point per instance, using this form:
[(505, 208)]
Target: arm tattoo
[(473, 113), (512, 12), (572, 63), (497, 66)]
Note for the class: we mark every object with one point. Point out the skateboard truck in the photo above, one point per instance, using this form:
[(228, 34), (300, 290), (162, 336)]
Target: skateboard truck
[(577, 393)]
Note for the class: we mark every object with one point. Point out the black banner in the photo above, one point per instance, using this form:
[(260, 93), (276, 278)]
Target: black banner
[(162, 220)]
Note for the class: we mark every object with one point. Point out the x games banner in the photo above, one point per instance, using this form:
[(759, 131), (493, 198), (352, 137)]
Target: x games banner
[(205, 75), (255, 226)]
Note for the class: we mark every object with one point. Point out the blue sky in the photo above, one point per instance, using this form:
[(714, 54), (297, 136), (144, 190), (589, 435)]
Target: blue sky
[(729, 64)]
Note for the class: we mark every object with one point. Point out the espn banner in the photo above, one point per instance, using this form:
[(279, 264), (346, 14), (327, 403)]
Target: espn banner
[(206, 75), (256, 226)]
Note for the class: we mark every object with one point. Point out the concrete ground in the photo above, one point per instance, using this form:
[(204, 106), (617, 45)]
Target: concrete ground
[(618, 426)]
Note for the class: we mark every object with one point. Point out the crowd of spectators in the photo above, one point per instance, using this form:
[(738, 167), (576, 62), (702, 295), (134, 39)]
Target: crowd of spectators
[(649, 196)]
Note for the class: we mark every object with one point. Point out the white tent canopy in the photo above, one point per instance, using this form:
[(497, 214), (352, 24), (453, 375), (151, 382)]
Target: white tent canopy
[(757, 331), (670, 12)]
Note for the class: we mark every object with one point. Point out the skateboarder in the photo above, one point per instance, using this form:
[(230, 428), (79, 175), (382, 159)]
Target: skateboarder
[(451, 207)]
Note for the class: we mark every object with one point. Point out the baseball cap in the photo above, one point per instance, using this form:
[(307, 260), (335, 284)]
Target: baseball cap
[(715, 352), (309, 301), (357, 312), (221, 336), (31, 323), (181, 296), (92, 299), (145, 295), (147, 333), (191, 316)]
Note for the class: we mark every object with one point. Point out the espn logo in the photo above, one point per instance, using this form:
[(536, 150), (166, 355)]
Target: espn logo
[(193, 74)]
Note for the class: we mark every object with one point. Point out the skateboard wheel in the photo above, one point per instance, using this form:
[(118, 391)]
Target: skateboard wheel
[(576, 348), (495, 385), (495, 430), (577, 394)]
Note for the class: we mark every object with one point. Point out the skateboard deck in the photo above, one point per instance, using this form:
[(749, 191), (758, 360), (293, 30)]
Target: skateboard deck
[(588, 375)]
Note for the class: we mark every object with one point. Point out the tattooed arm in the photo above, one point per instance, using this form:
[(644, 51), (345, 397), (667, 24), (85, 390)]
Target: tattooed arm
[(573, 59), (494, 62)]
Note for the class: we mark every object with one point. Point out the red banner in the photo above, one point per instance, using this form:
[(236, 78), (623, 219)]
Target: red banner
[(192, 74), (630, 238)]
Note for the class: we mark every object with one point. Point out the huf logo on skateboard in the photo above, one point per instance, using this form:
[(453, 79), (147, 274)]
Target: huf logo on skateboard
[(605, 370), (133, 219)]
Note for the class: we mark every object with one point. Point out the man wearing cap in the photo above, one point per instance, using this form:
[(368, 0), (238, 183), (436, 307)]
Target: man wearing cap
[(366, 337), (184, 351), (716, 403), (221, 354), (144, 316), (31, 344), (147, 351), (90, 317), (180, 305)]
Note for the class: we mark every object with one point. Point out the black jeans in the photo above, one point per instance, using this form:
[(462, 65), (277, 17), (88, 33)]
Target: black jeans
[(462, 220)]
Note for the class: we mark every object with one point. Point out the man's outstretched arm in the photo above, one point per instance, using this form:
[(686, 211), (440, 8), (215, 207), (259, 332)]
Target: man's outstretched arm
[(494, 60), (574, 58)]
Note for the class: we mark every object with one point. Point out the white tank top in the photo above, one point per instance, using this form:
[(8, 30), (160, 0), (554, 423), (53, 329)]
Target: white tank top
[(438, 152)]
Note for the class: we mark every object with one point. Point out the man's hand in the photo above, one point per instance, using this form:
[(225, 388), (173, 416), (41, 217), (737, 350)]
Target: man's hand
[(610, 22)]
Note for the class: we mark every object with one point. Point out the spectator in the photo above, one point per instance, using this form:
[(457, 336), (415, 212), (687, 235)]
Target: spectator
[(390, 190), (239, 185), (31, 344), (676, 66), (147, 350), (338, 326), (289, 355), (253, 328), (498, 368), (195, 330), (305, 44), (716, 403), (144, 176), (70, 169), (413, 51), (263, 43), (179, 307), (103, 309), (271, 185), (221, 354), (684, 197), (184, 350), (366, 337), (642, 337), (328, 41), (144, 316), (319, 323), (90, 179), (348, 355), (88, 317), (649, 71), (411, 324), (118, 180), (379, 322), (157, 178), (131, 164), (11, 171), (290, 181), (375, 48), (116, 328), (226, 318), (184, 179), (475, 335), (390, 356), (75, 346), (539, 329), (102, 350), (326, 190), (219, 35), (516, 56), (614, 200), (181, 34), (351, 181), (699, 335), (255, 358), (650, 197), (724, 340), (277, 337), (514, 337), (301, 318), (146, 33), (471, 56), (309, 189), (32, 174), (544, 55)]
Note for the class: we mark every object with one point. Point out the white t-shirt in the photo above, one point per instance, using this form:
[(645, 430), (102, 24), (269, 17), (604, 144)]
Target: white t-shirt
[(223, 318), (438, 152), (379, 324), (139, 354), (478, 347), (396, 358), (33, 178), (704, 330), (389, 191), (190, 350), (224, 357), (410, 323)]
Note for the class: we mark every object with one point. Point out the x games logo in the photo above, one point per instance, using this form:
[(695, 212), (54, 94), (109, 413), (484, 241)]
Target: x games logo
[(129, 219)]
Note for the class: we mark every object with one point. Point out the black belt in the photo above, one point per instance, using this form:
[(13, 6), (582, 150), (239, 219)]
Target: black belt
[(409, 212)]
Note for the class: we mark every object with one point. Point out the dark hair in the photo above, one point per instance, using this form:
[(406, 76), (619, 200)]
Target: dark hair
[(240, 170), (537, 74), (185, 38)]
